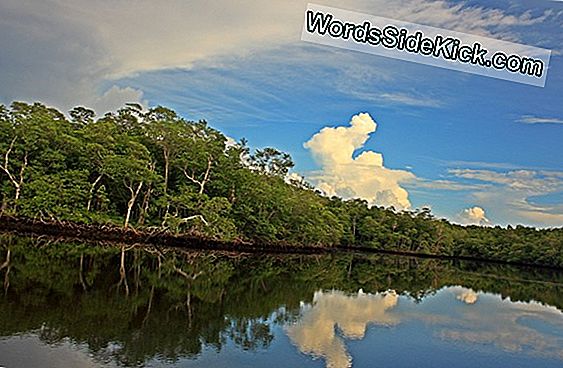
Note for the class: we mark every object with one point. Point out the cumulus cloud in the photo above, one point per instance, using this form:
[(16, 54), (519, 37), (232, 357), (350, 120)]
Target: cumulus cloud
[(474, 216), (315, 332), (363, 176)]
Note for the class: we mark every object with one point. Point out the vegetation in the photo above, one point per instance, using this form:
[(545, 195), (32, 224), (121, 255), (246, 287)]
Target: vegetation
[(156, 170)]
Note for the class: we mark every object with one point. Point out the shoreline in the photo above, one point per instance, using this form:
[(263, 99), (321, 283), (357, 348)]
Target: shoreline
[(63, 230)]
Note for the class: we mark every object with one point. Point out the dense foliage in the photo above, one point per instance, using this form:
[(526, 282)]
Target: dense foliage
[(154, 169)]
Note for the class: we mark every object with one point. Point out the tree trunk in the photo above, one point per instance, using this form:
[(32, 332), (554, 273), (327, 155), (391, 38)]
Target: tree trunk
[(206, 176), (166, 169), (7, 265), (131, 203), (18, 183), (92, 189), (122, 271), (80, 274), (17, 196), (145, 205)]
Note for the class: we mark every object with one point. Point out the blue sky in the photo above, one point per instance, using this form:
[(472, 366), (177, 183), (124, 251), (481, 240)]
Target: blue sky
[(465, 140)]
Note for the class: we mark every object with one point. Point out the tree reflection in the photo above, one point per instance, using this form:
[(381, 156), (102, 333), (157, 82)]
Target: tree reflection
[(171, 304)]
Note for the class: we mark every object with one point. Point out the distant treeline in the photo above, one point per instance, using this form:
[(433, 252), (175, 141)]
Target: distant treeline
[(156, 170)]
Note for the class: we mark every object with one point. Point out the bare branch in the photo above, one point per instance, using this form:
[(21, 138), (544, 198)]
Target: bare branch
[(131, 203), (205, 179), (191, 178), (186, 219), (183, 273)]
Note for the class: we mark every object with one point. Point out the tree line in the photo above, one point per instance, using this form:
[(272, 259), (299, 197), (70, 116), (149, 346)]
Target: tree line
[(157, 170)]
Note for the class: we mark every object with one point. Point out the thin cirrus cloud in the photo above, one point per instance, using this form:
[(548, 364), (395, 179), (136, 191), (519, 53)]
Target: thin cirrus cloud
[(71, 52), (443, 184), (530, 119), (397, 98)]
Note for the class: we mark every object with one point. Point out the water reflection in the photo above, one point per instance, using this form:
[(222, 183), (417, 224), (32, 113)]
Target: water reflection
[(335, 317), (467, 296), (315, 332), (29, 351), (497, 321), (132, 306)]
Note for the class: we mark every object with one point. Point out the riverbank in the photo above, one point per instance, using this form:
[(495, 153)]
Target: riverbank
[(64, 230)]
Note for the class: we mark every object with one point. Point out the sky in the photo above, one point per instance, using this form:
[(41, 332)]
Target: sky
[(474, 149)]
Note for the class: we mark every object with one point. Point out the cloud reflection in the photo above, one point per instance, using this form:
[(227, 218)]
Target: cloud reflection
[(530, 327), (468, 296), (459, 315), (316, 333)]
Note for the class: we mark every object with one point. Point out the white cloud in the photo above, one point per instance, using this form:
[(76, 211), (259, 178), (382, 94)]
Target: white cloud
[(546, 215), (410, 100), (295, 179), (443, 184), (231, 142), (315, 332), (363, 176), (61, 52), (474, 216), (511, 194), (395, 98), (117, 97), (529, 119)]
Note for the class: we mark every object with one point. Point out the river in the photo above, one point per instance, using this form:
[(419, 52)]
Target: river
[(71, 304)]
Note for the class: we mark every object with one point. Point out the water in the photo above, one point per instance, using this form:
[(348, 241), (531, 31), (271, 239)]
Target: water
[(84, 305)]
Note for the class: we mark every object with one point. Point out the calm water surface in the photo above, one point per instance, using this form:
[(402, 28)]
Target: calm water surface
[(78, 305)]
